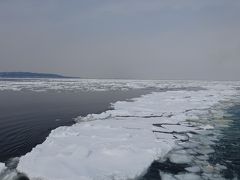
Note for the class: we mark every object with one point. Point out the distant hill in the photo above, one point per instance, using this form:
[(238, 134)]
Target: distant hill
[(29, 75)]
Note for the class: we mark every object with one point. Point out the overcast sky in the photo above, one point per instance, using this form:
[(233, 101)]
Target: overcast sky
[(140, 39)]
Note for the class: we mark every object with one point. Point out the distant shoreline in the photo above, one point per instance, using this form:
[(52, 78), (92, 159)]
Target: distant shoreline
[(31, 75)]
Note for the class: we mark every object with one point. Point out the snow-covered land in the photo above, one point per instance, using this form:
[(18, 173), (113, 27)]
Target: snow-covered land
[(122, 143)]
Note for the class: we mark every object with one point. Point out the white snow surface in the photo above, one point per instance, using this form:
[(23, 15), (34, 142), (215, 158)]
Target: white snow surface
[(121, 143)]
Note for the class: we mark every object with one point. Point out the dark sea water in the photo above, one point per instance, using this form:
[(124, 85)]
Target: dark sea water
[(227, 149), (27, 117)]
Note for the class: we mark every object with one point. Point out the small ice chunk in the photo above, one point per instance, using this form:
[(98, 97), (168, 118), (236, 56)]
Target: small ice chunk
[(6, 174), (209, 169), (165, 176), (2, 167), (181, 137), (207, 127), (9, 175), (193, 169), (189, 145), (205, 150), (214, 176), (180, 158), (188, 176), (203, 158), (220, 167)]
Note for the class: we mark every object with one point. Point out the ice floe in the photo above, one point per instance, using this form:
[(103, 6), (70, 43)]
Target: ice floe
[(179, 158), (188, 176), (193, 169), (122, 143), (2, 167), (206, 127)]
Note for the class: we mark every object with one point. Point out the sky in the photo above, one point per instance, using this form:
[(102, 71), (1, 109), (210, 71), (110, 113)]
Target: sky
[(127, 39)]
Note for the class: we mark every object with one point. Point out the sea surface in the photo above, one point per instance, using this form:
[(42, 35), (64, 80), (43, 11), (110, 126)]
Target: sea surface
[(27, 117), (227, 149)]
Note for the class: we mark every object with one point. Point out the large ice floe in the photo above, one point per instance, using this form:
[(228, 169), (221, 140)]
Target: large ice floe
[(122, 143)]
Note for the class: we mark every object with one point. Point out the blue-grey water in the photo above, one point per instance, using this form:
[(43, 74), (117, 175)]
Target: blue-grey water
[(227, 149), (27, 117)]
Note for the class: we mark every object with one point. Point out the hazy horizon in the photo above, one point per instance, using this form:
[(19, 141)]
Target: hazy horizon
[(127, 39)]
